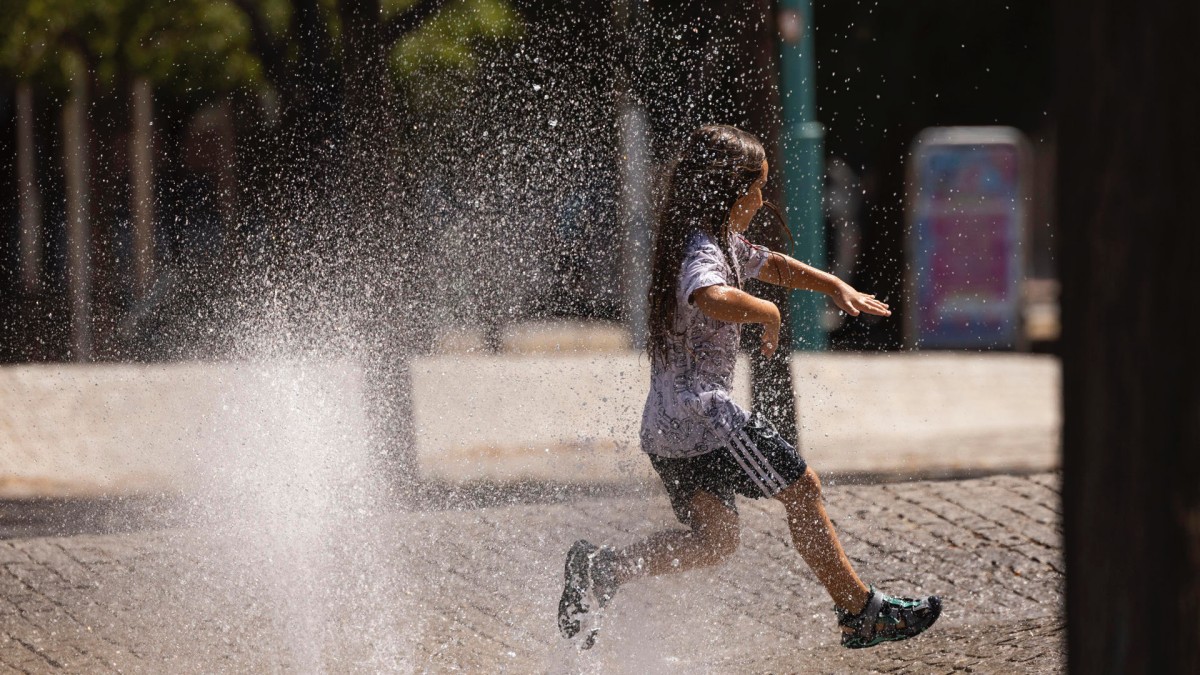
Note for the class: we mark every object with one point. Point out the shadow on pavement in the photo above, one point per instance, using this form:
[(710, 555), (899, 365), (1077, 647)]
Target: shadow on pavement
[(56, 517), (46, 517)]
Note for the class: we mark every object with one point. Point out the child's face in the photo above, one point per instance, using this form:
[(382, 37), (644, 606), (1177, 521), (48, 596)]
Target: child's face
[(748, 204)]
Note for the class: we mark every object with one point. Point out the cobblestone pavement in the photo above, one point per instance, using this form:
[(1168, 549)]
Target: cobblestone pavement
[(474, 589)]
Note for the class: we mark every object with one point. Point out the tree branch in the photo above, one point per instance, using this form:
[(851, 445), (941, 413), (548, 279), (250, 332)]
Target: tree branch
[(406, 21)]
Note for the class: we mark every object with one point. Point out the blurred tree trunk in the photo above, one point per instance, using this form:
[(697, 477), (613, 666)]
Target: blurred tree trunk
[(141, 169), (336, 95), (29, 195), (366, 82), (79, 231), (1128, 111)]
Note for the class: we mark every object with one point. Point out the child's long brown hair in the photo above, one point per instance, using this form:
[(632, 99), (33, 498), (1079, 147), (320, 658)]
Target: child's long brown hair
[(717, 166)]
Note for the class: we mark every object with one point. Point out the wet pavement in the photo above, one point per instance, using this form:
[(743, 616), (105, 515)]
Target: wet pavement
[(474, 589)]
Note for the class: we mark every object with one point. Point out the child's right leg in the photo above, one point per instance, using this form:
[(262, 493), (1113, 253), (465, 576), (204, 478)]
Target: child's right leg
[(713, 535), (593, 574)]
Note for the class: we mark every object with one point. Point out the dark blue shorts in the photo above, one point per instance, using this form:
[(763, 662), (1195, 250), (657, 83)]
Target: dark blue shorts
[(759, 464)]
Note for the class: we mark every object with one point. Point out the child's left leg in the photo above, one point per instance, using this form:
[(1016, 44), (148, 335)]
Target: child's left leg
[(816, 541), (866, 616)]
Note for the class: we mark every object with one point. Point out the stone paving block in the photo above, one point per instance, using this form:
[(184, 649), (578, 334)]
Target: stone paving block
[(54, 560), (11, 554), (6, 669), (21, 657)]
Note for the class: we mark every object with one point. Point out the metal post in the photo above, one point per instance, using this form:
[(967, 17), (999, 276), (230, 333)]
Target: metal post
[(635, 211), (803, 163), (635, 177)]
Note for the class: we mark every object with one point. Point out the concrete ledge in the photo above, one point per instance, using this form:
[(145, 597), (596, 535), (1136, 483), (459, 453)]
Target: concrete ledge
[(112, 429), (73, 430), (575, 417)]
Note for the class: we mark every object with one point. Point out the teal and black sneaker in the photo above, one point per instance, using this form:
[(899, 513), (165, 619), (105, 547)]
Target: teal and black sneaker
[(886, 619), (588, 584)]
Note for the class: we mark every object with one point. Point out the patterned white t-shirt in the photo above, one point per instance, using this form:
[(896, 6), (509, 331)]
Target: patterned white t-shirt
[(690, 409)]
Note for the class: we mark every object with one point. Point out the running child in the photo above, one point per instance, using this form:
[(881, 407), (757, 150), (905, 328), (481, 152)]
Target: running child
[(703, 446)]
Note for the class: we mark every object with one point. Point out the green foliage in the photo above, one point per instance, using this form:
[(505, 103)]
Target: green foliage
[(447, 44), (434, 63), (34, 46), (198, 49), (193, 48)]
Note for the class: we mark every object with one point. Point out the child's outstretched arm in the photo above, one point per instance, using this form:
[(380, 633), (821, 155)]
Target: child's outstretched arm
[(733, 305), (786, 271)]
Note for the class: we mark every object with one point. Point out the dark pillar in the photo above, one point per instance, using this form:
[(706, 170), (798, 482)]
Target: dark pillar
[(1128, 111)]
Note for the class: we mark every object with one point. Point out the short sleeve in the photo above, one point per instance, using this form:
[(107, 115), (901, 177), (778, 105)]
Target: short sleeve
[(703, 265), (751, 257)]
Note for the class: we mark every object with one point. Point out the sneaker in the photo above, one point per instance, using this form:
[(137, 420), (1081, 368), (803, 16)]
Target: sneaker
[(885, 619), (588, 585)]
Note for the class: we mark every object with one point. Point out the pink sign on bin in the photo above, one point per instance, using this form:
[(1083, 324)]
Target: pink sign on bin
[(967, 215)]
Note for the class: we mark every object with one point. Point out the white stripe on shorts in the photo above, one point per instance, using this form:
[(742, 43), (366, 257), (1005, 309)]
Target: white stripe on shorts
[(765, 464), (753, 474), (743, 449)]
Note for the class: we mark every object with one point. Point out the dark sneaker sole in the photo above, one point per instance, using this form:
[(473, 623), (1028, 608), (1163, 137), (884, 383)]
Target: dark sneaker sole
[(573, 606), (935, 611)]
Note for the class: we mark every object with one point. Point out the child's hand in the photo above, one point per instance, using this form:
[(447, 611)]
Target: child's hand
[(853, 302), (770, 337)]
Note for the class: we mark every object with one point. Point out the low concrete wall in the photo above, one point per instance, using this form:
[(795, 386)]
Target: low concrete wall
[(71, 430), (125, 428), (576, 417)]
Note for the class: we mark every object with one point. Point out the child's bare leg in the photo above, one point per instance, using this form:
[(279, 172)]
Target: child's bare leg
[(714, 536), (815, 540)]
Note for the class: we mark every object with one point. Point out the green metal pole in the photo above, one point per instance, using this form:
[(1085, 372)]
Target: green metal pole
[(803, 163)]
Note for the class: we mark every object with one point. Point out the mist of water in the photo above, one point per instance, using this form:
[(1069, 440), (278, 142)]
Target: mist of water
[(505, 205)]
